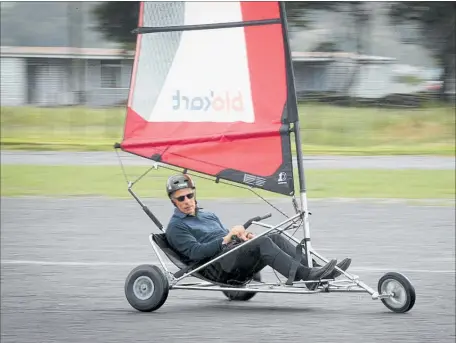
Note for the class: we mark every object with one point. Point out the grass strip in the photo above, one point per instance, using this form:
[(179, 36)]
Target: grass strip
[(36, 180)]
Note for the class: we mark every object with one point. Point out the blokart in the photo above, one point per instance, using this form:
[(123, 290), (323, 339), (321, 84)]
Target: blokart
[(214, 137), (147, 286)]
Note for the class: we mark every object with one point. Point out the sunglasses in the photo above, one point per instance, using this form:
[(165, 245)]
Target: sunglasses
[(182, 197)]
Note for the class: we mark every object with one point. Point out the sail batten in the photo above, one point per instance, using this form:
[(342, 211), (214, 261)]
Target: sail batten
[(209, 91), (229, 137), (157, 29)]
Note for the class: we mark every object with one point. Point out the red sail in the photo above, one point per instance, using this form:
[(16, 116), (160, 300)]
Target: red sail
[(213, 100)]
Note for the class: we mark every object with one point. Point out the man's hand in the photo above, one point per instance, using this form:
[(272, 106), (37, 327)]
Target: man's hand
[(240, 232), (237, 230), (249, 235)]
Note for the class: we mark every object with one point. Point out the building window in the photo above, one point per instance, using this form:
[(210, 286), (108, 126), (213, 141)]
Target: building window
[(110, 74)]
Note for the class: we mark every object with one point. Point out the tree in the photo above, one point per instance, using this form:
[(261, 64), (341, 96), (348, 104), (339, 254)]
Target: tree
[(297, 11), (326, 47), (116, 20), (437, 26)]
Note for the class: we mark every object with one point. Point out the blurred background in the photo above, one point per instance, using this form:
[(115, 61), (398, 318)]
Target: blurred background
[(365, 72)]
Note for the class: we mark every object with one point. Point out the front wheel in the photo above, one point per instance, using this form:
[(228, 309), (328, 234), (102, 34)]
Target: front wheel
[(242, 295), (403, 293), (146, 288)]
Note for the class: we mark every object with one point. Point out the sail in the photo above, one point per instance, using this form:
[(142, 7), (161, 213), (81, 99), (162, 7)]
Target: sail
[(209, 91)]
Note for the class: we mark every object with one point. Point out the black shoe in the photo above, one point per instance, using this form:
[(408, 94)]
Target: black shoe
[(320, 273), (344, 264)]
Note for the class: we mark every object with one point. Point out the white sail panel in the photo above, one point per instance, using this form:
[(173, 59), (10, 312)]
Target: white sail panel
[(208, 80)]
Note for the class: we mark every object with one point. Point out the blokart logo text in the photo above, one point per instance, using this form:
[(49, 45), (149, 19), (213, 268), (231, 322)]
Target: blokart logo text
[(213, 101)]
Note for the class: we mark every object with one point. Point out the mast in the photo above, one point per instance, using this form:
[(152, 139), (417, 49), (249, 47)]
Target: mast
[(292, 105)]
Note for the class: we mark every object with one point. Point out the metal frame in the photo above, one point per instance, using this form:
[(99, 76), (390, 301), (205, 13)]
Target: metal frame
[(352, 284)]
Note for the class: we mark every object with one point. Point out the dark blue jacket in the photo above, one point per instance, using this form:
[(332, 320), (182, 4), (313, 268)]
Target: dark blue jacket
[(196, 237)]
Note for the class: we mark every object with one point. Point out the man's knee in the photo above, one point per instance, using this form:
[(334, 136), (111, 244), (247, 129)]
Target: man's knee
[(267, 246), (276, 237), (262, 241)]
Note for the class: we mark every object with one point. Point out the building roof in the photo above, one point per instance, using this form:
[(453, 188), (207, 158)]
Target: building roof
[(93, 53), (64, 52), (332, 56)]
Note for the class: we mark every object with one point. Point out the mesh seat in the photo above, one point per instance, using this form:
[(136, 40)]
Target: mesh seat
[(185, 266), (173, 255), (178, 259)]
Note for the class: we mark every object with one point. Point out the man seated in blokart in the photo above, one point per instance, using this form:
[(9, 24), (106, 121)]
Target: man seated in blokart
[(199, 235)]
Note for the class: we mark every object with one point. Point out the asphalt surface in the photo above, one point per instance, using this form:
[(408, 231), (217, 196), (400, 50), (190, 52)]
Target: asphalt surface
[(314, 162), (64, 262)]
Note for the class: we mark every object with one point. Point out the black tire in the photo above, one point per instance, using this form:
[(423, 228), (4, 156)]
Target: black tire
[(152, 282), (242, 295), (404, 298)]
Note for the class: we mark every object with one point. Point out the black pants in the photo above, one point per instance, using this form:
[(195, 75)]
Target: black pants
[(272, 250)]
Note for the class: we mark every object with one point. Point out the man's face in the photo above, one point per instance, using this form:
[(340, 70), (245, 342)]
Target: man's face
[(183, 203)]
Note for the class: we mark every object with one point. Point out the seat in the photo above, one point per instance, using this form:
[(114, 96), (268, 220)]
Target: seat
[(178, 259), (185, 266), (173, 255)]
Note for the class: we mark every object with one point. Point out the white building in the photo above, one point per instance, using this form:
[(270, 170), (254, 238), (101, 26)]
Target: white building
[(57, 76), (344, 73)]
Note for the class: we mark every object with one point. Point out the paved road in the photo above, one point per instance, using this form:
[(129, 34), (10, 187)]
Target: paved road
[(315, 162), (64, 262)]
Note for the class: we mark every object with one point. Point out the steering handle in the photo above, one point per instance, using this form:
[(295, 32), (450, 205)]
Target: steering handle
[(248, 223), (256, 219)]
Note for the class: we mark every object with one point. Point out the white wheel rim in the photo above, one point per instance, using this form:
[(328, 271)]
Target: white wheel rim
[(399, 294), (143, 287)]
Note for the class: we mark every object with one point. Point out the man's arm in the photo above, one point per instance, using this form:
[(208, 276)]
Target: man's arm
[(186, 244)]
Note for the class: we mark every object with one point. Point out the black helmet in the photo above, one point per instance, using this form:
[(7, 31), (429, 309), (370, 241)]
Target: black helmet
[(177, 182)]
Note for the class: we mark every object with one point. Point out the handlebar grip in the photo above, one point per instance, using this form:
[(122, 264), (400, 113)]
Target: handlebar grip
[(256, 219), (266, 216)]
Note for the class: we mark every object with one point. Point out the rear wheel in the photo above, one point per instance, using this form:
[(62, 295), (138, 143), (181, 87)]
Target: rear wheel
[(146, 288), (242, 295), (403, 293)]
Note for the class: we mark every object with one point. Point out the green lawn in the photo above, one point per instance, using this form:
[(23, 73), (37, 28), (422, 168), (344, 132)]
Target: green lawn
[(33, 180), (325, 129)]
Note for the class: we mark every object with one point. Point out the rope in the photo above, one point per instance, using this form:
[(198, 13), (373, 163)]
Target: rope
[(202, 177), (122, 166), (233, 185)]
